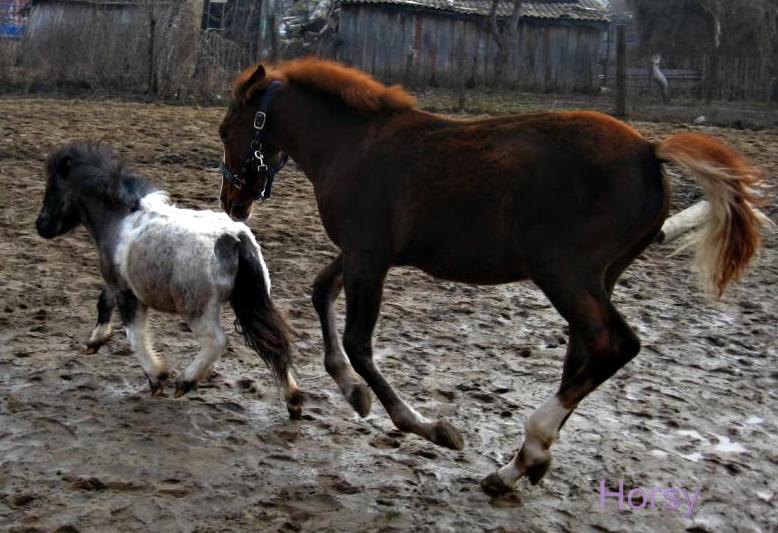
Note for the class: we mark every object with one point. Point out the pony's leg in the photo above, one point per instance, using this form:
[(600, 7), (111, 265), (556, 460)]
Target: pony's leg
[(102, 331), (213, 343), (601, 343), (326, 289), (363, 281), (134, 317)]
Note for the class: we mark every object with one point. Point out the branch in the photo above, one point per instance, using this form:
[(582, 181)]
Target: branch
[(513, 25), (494, 27)]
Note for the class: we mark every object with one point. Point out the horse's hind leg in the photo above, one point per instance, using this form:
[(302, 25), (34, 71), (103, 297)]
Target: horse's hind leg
[(213, 343), (134, 317), (601, 343), (326, 289), (102, 331), (363, 281)]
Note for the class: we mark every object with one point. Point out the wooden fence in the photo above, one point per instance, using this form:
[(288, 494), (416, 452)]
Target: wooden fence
[(423, 49), (738, 79)]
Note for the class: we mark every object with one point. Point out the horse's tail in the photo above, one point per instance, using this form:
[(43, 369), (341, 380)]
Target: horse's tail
[(256, 318), (731, 236)]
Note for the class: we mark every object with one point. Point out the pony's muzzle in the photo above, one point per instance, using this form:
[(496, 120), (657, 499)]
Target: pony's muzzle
[(44, 227)]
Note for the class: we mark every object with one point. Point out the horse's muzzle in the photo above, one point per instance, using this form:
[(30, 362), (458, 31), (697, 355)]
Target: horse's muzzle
[(240, 212)]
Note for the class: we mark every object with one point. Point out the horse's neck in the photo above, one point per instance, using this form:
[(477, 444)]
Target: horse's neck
[(315, 133)]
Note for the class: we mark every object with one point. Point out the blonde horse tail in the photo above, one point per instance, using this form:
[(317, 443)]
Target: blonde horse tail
[(728, 241)]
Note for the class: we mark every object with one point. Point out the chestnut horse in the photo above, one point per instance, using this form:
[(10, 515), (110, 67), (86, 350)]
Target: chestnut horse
[(567, 200)]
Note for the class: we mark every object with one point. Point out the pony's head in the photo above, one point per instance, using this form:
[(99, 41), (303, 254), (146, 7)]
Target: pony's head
[(251, 152), (75, 173)]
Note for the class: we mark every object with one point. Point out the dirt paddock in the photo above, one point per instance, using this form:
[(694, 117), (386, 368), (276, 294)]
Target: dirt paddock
[(83, 447)]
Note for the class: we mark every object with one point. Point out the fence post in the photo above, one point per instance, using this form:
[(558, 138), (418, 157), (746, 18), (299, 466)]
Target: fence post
[(460, 33), (153, 80), (712, 78), (621, 70), (274, 33)]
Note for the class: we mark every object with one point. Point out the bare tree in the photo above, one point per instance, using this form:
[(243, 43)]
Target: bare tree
[(504, 35)]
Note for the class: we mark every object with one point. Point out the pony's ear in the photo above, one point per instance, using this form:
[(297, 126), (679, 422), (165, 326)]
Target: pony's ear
[(64, 166)]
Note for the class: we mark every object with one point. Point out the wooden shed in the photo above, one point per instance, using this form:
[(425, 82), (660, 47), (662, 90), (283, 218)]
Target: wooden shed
[(420, 42), (131, 45)]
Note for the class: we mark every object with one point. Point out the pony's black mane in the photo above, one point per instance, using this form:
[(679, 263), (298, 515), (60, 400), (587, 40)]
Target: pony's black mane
[(98, 171)]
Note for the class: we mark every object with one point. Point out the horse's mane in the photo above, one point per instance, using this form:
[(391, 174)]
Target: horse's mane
[(357, 89)]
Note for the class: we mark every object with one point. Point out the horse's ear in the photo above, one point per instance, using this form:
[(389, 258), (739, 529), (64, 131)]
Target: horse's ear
[(257, 75), (247, 82)]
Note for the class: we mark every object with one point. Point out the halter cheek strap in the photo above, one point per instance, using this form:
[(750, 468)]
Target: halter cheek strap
[(255, 155)]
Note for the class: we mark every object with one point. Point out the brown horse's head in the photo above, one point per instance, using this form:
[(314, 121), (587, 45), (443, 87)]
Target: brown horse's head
[(251, 154)]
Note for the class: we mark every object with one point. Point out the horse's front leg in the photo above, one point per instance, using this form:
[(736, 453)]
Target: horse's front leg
[(102, 331), (326, 289), (363, 280), (134, 317)]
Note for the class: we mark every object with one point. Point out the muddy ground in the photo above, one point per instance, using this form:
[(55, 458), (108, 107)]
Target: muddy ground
[(83, 446)]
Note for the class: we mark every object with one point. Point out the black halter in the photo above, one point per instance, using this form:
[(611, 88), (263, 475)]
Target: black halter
[(255, 155)]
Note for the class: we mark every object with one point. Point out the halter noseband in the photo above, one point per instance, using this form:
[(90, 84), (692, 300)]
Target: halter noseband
[(255, 155)]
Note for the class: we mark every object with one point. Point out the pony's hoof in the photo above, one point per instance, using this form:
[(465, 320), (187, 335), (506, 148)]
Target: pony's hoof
[(536, 472), (294, 404), (182, 387), (157, 388), (494, 486), (89, 349), (360, 399), (445, 434)]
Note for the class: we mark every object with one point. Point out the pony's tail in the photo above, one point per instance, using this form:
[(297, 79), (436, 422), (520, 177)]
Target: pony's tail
[(256, 318), (731, 236)]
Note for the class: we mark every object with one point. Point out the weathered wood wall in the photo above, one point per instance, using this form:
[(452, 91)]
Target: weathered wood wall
[(420, 48), (128, 47)]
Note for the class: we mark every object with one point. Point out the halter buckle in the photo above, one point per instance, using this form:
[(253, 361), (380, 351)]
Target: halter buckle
[(259, 120)]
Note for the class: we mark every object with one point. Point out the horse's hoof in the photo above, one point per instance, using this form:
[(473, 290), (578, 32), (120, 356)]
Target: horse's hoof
[(360, 399), (536, 472), (445, 434), (182, 387), (294, 404), (494, 486)]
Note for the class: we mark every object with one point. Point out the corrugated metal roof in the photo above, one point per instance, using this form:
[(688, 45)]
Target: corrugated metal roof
[(584, 10)]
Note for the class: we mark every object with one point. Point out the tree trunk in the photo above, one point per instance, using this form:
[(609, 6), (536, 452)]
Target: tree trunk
[(153, 82), (504, 37), (621, 70)]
